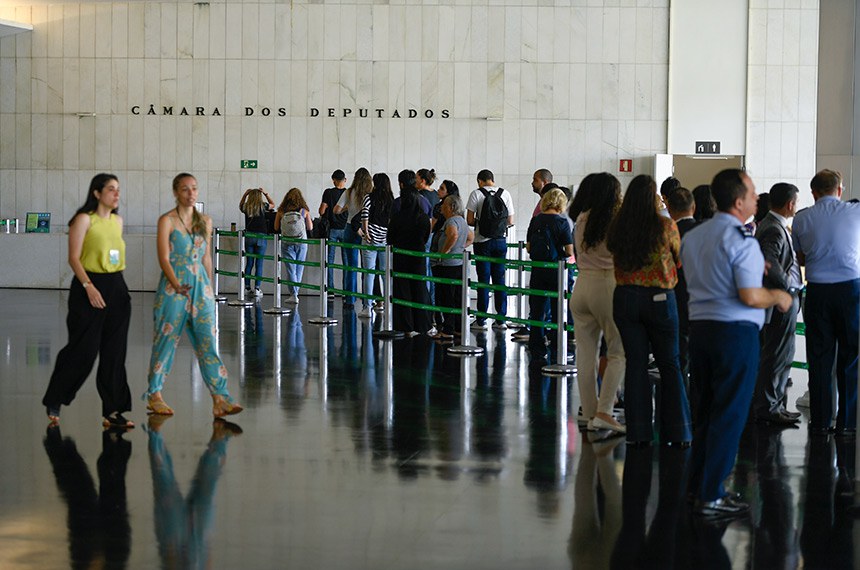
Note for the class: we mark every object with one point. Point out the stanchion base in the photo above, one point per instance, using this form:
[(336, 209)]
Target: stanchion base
[(323, 321), (558, 370), (278, 311), (238, 303), (465, 350), (220, 299), (389, 335)]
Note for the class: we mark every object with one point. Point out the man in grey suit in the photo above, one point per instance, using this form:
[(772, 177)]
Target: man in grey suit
[(777, 335)]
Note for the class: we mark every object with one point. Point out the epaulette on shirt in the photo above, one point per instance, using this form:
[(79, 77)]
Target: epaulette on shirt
[(746, 232)]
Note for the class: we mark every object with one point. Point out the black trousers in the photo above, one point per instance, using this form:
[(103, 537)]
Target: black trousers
[(407, 319), (777, 353), (95, 332)]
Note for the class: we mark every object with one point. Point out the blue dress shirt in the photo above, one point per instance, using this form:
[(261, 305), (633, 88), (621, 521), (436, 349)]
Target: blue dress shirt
[(719, 257), (828, 235)]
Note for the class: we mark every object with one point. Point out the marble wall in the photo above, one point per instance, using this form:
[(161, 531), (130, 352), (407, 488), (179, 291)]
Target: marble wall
[(572, 86)]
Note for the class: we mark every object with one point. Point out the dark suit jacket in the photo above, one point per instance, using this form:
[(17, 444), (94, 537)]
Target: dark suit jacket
[(681, 295), (775, 242)]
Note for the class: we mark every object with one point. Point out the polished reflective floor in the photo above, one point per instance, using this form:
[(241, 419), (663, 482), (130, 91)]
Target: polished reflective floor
[(354, 452)]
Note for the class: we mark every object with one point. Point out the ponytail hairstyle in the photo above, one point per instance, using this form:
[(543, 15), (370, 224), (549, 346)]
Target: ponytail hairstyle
[(198, 222), (427, 176), (97, 184)]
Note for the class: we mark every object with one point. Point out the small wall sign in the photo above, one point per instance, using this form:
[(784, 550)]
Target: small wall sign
[(625, 165), (707, 147), (249, 164)]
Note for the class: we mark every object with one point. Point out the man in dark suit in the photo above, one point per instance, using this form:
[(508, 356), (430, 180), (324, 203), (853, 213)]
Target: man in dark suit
[(682, 207), (777, 335)]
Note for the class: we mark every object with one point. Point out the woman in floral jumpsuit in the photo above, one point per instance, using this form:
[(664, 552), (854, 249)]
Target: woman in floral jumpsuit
[(184, 301)]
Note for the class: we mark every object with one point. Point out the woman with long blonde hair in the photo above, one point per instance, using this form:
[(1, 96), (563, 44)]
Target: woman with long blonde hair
[(352, 201), (255, 208), (293, 220), (184, 300)]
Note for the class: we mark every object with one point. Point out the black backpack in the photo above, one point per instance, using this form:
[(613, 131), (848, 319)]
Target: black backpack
[(493, 217)]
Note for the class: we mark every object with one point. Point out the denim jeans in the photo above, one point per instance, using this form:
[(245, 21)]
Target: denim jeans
[(334, 236), (290, 251), (647, 319), (372, 260), (351, 257), (255, 246), (498, 248)]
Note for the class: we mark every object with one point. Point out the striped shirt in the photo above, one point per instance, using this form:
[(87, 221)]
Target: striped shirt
[(378, 234)]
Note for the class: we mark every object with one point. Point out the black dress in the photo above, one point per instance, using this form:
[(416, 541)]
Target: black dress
[(409, 229)]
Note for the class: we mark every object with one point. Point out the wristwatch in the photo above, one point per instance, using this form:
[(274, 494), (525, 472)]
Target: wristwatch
[(793, 291)]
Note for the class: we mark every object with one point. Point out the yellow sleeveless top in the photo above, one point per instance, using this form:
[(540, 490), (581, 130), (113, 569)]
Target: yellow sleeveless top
[(104, 249)]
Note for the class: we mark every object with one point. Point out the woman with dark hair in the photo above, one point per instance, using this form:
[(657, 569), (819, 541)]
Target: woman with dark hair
[(375, 214), (409, 229), (255, 208), (706, 206), (646, 249), (293, 220), (184, 301), (99, 308), (352, 201), (596, 203), (424, 180)]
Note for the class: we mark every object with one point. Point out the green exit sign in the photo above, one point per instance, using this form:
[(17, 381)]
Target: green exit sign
[(249, 164)]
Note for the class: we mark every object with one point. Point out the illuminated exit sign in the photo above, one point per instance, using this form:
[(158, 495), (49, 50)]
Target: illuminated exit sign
[(249, 164)]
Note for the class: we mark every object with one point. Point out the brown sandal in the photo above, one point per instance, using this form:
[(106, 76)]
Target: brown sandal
[(224, 406), (157, 405)]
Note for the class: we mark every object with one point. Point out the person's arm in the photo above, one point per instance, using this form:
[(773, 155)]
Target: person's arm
[(163, 249), (323, 205), (268, 198), (568, 250), (309, 222), (341, 203), (469, 239), (761, 298), (77, 232), (207, 259), (242, 200), (451, 236), (278, 217), (470, 218)]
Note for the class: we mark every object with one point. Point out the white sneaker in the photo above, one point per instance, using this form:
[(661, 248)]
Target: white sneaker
[(258, 293), (379, 307), (499, 325), (803, 401), (295, 299), (432, 331), (478, 326), (365, 313)]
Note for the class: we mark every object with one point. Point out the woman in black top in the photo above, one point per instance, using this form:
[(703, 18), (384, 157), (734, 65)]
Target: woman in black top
[(409, 229), (254, 208)]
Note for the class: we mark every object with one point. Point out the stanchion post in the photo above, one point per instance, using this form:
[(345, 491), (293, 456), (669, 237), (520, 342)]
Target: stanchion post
[(216, 265), (521, 301), (277, 309), (387, 331), (241, 301), (323, 319), (464, 349), (561, 368)]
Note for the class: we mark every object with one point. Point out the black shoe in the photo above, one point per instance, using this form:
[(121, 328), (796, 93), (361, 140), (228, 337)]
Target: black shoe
[(777, 418), (727, 506), (117, 420)]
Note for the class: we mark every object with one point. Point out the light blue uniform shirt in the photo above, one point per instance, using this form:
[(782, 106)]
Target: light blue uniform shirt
[(828, 234), (719, 258)]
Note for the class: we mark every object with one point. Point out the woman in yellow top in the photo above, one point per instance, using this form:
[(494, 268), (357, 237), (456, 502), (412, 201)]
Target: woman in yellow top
[(99, 308)]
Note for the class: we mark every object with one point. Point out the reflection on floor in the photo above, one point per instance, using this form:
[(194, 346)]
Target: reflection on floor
[(362, 453)]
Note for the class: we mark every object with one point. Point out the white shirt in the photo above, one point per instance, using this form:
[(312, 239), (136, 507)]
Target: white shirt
[(476, 199)]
